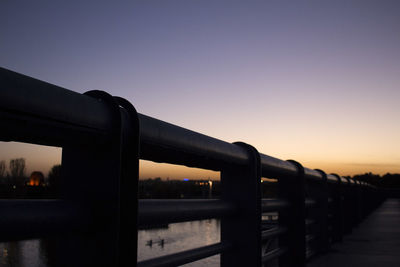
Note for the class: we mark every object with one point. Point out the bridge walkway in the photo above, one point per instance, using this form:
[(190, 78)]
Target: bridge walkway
[(374, 243)]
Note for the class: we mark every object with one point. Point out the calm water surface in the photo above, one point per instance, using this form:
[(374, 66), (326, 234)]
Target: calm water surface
[(23, 254), (151, 243), (178, 237)]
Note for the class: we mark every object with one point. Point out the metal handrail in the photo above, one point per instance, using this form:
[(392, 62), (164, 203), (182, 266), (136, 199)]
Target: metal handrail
[(100, 127), (164, 211), (187, 256)]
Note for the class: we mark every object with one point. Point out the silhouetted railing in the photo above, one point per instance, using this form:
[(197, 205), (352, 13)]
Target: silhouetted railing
[(99, 213)]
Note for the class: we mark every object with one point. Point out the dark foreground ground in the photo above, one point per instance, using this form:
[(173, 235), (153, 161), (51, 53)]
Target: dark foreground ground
[(374, 243)]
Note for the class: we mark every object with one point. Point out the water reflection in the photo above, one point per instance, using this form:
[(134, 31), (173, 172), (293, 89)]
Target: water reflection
[(178, 237), (151, 243), (22, 254)]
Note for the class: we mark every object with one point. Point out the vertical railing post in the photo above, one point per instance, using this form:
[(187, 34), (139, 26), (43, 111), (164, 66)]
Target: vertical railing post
[(347, 207), (364, 198), (128, 191), (353, 203), (337, 196), (241, 185), (359, 203), (102, 179), (369, 198), (293, 189), (320, 193)]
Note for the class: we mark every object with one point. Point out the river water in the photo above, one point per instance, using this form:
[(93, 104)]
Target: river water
[(178, 237), (151, 243)]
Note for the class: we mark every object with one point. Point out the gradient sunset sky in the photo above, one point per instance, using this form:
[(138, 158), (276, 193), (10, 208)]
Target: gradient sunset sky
[(314, 81)]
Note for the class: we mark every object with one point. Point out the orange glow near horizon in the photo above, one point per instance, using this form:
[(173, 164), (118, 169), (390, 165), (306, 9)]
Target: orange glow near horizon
[(351, 169), (42, 158), (37, 157), (149, 169)]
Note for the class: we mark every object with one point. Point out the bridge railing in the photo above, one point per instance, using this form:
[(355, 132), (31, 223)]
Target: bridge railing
[(98, 213)]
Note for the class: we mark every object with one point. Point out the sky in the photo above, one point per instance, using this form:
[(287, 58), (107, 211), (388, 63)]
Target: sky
[(314, 81)]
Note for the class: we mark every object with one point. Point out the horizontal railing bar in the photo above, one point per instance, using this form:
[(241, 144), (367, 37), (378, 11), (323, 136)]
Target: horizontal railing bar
[(164, 211), (310, 253), (309, 222), (187, 256), (331, 178), (310, 238), (26, 219), (340, 179), (51, 113), (168, 143), (273, 167), (275, 231), (268, 224), (83, 117), (273, 254), (313, 175), (164, 142), (273, 204), (310, 203)]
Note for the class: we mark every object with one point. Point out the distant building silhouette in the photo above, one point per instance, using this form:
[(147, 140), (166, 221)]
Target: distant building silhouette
[(36, 179)]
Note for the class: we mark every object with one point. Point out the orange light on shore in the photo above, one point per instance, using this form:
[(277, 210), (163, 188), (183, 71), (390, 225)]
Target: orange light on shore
[(36, 179)]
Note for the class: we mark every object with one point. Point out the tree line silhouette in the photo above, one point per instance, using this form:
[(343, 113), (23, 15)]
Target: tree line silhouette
[(14, 183), (385, 181), (16, 173), (159, 188)]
